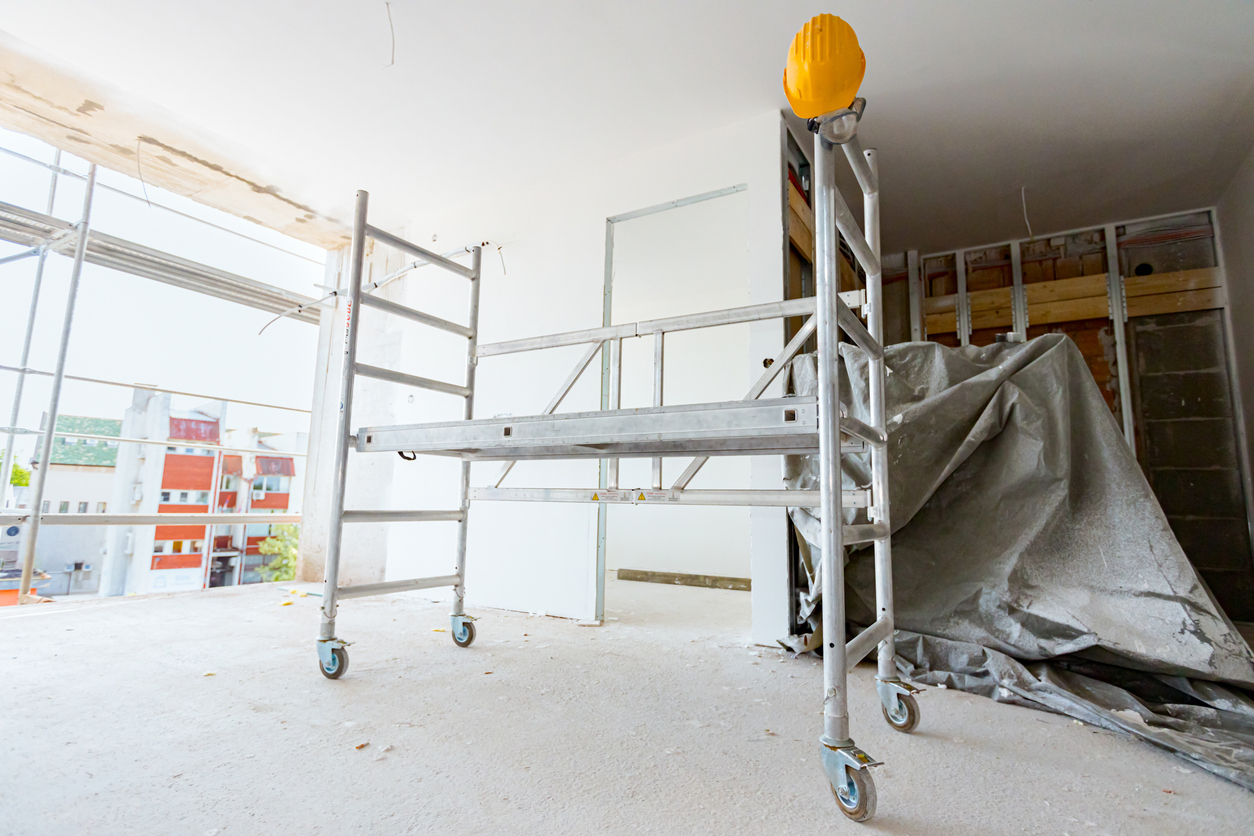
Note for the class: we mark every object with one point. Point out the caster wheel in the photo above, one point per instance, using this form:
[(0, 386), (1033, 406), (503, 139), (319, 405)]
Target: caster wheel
[(466, 636), (338, 666), (906, 717), (857, 798)]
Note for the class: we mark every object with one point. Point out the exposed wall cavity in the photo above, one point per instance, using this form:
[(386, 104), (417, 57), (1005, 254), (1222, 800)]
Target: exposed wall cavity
[(60, 106)]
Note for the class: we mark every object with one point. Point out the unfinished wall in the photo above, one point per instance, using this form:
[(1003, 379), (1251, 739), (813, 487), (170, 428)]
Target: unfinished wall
[(535, 556), (1236, 224)]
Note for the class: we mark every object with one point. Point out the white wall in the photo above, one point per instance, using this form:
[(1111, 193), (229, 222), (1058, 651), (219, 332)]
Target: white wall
[(1236, 229), (541, 557), (680, 261)]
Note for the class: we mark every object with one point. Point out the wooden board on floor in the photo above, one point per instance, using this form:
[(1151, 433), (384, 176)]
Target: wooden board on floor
[(681, 579)]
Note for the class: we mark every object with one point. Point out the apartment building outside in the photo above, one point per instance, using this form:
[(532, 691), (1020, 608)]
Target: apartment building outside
[(80, 481), (186, 475)]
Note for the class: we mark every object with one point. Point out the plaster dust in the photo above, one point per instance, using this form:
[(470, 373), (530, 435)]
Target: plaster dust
[(663, 721)]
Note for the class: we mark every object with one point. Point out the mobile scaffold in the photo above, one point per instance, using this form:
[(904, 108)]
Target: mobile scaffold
[(752, 426)]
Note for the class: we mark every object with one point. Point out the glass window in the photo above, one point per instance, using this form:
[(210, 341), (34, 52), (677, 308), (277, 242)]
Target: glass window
[(182, 496), (198, 546), (63, 508), (46, 504), (190, 450), (91, 442), (165, 496), (101, 507), (177, 547), (82, 507), (272, 483), (202, 497), (228, 482), (259, 484), (171, 449), (158, 547), (111, 444)]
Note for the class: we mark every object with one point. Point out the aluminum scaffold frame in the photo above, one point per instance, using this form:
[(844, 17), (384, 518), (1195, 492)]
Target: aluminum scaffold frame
[(792, 425)]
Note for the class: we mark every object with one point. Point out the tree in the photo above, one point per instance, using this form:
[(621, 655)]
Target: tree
[(20, 476), (282, 544)]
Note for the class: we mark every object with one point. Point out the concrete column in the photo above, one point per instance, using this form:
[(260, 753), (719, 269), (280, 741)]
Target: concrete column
[(364, 555)]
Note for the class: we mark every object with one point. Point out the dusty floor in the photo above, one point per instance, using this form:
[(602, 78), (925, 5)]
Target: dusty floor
[(663, 721)]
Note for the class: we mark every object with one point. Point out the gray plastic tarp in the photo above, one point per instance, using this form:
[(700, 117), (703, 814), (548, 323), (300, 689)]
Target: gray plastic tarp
[(1032, 562)]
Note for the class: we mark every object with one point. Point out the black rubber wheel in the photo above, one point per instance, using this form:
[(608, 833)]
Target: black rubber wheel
[(470, 635), (857, 798), (907, 718), (338, 666)]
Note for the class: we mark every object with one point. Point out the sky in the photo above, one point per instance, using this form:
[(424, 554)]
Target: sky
[(132, 329)]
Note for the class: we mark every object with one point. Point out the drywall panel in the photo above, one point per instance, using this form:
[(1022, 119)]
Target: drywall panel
[(679, 261), (1235, 225), (548, 276)]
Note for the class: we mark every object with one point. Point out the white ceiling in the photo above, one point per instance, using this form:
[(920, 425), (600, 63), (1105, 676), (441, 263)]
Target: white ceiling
[(1104, 111)]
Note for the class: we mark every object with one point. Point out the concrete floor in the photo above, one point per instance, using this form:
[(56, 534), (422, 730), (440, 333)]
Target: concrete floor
[(663, 721)]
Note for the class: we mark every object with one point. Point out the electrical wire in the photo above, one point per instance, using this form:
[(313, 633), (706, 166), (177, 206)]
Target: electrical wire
[(383, 282), (392, 27), (139, 168), (1023, 195)]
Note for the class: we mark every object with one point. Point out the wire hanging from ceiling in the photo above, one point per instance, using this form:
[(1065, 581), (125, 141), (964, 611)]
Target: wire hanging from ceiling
[(392, 28), (139, 168), (1023, 195)]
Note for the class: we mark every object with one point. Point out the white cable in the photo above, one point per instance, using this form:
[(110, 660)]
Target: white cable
[(386, 280), (1023, 194)]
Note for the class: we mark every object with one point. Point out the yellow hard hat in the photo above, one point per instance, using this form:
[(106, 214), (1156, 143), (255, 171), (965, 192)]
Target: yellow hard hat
[(825, 67)]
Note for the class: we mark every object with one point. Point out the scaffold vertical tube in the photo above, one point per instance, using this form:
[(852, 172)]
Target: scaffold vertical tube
[(879, 455), (476, 281), (6, 456), (356, 262), (835, 698), (54, 400)]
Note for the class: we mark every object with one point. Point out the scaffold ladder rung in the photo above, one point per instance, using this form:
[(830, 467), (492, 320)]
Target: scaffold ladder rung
[(388, 306), (414, 380)]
